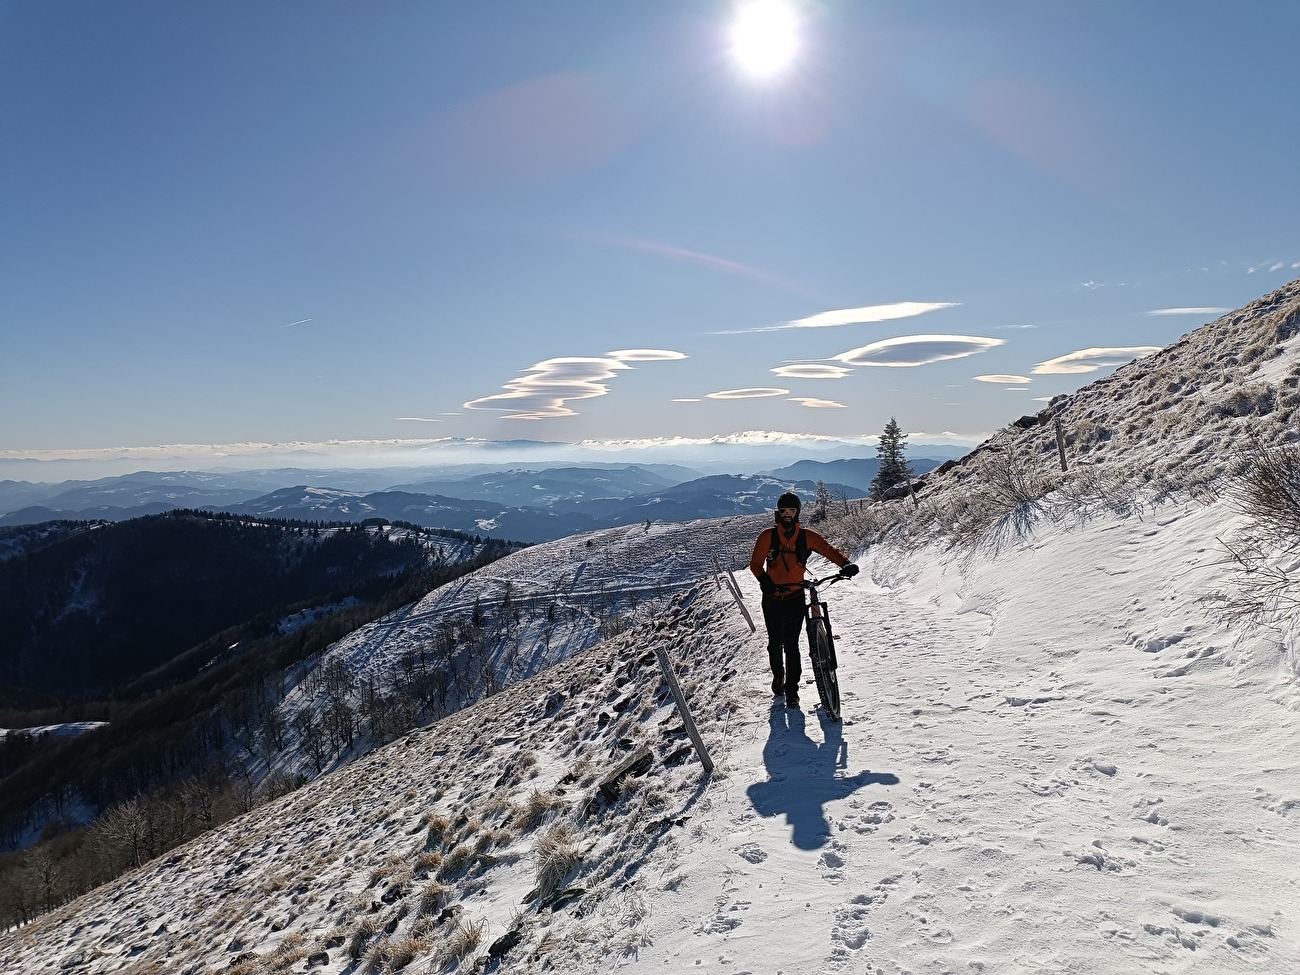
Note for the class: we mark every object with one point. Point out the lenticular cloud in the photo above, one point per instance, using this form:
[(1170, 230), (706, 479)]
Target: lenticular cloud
[(917, 350), (751, 392), (869, 314), (811, 370), (1090, 360), (544, 390)]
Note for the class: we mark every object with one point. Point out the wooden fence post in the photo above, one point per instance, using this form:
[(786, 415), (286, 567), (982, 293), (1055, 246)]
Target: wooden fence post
[(1060, 443), (733, 587), (666, 666)]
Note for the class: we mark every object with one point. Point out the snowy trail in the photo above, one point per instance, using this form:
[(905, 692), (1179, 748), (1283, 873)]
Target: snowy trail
[(1021, 778)]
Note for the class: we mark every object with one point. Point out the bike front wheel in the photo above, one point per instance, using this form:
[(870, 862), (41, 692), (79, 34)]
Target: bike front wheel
[(823, 663)]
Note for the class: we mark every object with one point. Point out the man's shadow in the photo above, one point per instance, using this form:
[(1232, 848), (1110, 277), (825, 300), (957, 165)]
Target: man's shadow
[(802, 776)]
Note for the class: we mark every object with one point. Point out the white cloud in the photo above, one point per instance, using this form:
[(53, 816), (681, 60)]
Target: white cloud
[(545, 389), (865, 315), (743, 437), (817, 404), (1188, 311), (917, 350), (419, 419), (1090, 360), (753, 392), (646, 355), (687, 399), (869, 313), (809, 370), (1004, 379)]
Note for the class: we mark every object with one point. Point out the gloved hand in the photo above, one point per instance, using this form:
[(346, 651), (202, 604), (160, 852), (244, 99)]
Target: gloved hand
[(848, 571), (766, 584)]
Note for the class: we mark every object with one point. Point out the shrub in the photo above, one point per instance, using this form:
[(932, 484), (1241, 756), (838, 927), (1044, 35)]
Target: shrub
[(1267, 492)]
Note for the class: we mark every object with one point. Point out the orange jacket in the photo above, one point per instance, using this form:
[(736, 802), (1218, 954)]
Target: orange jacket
[(783, 565)]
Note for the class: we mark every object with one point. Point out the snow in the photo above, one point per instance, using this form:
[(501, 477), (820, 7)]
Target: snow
[(68, 729), (1056, 756), (1052, 759)]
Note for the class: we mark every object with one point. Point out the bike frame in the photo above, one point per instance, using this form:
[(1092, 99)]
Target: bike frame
[(816, 611)]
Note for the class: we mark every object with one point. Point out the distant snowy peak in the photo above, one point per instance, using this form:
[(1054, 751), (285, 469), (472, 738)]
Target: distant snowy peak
[(304, 498)]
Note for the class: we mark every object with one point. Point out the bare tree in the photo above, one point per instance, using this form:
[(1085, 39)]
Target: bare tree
[(121, 834)]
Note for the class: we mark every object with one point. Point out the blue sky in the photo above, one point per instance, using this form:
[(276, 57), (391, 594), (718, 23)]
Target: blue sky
[(307, 222)]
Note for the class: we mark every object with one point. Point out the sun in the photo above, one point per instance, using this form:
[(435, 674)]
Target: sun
[(764, 37)]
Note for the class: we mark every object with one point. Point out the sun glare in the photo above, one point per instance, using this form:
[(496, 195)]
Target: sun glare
[(764, 37)]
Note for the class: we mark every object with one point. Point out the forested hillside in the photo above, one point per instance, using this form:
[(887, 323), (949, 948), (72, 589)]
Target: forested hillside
[(97, 607), (174, 629)]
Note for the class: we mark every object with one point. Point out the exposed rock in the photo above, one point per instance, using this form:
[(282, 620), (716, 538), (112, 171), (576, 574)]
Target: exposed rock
[(638, 763), (504, 943)]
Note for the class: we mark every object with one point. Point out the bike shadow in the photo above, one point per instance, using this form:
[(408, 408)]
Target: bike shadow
[(802, 776)]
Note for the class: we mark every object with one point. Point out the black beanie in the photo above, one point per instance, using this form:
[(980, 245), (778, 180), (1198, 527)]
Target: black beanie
[(789, 500)]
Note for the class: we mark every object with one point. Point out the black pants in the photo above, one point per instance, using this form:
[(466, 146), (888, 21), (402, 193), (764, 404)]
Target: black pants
[(784, 621)]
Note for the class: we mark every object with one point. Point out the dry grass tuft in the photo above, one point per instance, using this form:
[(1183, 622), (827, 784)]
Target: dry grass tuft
[(457, 861), (427, 862), (529, 815), (439, 830), (557, 855), (461, 943), (433, 898)]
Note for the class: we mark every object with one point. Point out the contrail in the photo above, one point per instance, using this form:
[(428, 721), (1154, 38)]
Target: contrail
[(292, 324)]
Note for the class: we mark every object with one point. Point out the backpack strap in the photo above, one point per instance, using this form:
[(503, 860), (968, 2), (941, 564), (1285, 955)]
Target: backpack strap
[(800, 546)]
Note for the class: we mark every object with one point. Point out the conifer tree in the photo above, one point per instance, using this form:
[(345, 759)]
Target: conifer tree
[(821, 504), (890, 452)]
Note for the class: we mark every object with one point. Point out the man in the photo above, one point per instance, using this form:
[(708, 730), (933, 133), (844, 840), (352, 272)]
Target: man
[(778, 560)]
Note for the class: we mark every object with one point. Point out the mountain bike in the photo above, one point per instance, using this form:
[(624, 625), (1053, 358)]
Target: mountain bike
[(821, 642)]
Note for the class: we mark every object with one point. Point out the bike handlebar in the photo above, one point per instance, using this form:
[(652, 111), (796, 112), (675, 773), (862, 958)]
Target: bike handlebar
[(809, 584)]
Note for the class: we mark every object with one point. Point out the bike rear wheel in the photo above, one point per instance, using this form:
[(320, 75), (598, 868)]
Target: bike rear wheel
[(823, 664)]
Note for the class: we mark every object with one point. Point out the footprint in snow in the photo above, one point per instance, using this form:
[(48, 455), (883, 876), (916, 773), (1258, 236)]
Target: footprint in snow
[(832, 862), (877, 815), (849, 931), (1148, 810), (1286, 808), (751, 852), (724, 919)]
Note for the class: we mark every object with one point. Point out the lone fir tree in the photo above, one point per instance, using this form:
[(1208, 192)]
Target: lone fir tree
[(821, 504), (893, 464)]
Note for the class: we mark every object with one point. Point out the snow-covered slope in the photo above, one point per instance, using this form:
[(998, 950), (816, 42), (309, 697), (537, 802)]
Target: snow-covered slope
[(1051, 760), (1056, 756)]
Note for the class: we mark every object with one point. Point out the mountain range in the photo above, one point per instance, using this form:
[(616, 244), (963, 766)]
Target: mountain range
[(516, 503)]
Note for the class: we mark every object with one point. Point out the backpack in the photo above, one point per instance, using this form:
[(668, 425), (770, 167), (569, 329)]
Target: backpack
[(800, 546)]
